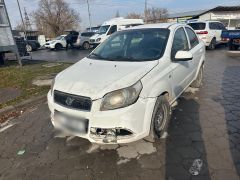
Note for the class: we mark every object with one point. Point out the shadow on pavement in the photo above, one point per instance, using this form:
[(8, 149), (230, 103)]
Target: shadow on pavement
[(231, 103), (185, 143)]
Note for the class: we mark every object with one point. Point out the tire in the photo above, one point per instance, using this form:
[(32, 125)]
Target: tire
[(233, 47), (161, 117), (58, 46), (197, 83), (212, 45), (86, 45), (29, 48)]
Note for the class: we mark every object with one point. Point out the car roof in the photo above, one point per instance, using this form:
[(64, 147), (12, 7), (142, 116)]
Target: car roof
[(203, 21), (159, 25)]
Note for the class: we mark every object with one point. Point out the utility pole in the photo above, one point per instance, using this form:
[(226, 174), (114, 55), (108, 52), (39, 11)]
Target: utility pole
[(89, 16), (145, 11), (24, 28), (27, 20)]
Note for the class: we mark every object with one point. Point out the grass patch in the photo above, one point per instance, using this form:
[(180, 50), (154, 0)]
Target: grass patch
[(21, 78)]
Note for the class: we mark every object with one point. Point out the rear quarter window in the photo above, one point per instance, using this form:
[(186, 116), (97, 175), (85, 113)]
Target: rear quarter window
[(198, 26)]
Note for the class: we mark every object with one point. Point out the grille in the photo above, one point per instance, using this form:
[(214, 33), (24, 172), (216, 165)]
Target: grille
[(72, 101)]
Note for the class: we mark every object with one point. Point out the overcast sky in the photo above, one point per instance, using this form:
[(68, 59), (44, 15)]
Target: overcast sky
[(102, 10)]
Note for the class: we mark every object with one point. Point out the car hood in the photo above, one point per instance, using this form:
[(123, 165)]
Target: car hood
[(95, 78)]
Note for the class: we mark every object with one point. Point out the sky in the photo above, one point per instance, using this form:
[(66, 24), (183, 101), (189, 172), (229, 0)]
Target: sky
[(102, 10)]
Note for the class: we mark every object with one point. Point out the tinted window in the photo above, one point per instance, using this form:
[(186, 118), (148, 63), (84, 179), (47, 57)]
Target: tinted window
[(112, 30), (133, 45), (198, 26), (192, 37), (213, 25), (87, 34), (221, 26), (180, 42)]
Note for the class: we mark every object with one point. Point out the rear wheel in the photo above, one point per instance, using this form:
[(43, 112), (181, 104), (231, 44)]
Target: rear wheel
[(29, 48), (86, 45), (198, 82), (212, 45), (161, 117), (58, 46)]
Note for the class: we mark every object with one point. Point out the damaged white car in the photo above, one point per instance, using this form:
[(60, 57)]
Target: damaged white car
[(123, 91)]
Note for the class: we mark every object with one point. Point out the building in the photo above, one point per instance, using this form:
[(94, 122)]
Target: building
[(7, 43), (228, 15)]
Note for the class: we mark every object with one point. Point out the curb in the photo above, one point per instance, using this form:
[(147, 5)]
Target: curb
[(23, 104)]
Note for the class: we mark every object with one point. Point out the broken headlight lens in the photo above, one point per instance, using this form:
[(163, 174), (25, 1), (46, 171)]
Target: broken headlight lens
[(121, 98)]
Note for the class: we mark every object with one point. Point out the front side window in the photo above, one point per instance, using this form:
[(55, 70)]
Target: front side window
[(133, 45), (180, 42), (192, 37)]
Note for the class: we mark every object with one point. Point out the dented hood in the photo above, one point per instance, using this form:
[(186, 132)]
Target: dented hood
[(95, 78)]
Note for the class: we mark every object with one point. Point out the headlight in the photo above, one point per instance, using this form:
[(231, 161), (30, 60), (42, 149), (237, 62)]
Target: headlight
[(52, 85), (121, 98), (98, 39)]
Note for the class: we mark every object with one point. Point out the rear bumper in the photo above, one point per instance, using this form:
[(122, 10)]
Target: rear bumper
[(135, 119)]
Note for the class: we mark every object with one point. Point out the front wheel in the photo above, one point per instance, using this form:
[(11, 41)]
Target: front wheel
[(198, 81), (58, 46), (161, 117), (86, 45)]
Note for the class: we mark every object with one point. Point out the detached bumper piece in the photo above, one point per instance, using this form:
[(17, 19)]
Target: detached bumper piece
[(110, 135)]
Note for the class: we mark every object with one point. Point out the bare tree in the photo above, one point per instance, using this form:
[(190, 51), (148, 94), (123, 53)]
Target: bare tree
[(156, 15), (53, 17), (134, 16)]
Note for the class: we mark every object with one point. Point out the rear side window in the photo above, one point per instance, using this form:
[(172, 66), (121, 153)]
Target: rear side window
[(180, 42), (192, 37), (198, 26)]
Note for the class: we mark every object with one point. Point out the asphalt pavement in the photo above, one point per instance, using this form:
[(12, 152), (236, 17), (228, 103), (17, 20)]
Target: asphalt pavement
[(205, 128), (69, 56)]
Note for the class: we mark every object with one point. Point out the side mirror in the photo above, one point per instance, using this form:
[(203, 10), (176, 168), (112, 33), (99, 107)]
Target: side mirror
[(183, 56)]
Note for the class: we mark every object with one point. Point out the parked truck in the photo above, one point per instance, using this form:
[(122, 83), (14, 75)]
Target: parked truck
[(234, 38), (7, 43)]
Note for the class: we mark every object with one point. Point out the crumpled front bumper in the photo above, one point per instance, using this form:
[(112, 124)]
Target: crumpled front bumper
[(135, 119)]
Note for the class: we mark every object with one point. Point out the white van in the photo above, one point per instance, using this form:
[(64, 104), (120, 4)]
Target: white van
[(111, 26)]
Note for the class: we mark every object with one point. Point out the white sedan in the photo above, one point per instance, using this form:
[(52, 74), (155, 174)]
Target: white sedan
[(58, 43), (123, 91)]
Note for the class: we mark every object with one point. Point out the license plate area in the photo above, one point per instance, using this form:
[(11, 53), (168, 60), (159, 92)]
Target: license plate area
[(71, 123), (236, 41)]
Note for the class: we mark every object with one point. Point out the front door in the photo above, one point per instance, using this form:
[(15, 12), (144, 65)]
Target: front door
[(181, 70)]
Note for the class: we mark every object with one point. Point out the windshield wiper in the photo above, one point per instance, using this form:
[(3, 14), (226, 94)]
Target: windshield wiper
[(96, 56)]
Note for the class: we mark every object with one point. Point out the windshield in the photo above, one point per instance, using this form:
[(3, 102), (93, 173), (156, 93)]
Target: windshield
[(59, 38), (103, 29), (133, 45), (198, 26)]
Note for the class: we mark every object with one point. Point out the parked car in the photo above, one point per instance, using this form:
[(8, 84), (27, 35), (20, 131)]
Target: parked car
[(210, 32), (83, 40), (58, 43), (123, 91), (234, 38), (111, 26)]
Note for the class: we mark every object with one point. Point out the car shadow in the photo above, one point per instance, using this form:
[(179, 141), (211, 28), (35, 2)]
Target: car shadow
[(230, 101), (184, 143)]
